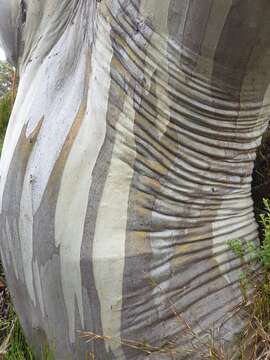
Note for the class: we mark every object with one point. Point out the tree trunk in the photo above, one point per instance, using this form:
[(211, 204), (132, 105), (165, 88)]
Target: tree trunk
[(127, 166)]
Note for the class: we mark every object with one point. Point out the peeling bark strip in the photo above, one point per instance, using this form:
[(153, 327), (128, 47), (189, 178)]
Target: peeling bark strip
[(127, 166)]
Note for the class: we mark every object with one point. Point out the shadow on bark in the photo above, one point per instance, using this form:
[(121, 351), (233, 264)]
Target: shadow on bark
[(261, 178)]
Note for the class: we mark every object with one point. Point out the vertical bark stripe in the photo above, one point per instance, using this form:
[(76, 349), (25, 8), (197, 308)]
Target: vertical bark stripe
[(77, 177), (110, 237)]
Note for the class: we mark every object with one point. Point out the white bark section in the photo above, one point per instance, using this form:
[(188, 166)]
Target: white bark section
[(58, 116), (22, 111), (77, 176), (110, 235), (26, 223)]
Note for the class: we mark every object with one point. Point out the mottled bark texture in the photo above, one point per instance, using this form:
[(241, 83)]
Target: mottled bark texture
[(127, 166)]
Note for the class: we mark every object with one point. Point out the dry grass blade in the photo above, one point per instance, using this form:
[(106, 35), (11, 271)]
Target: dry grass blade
[(5, 344)]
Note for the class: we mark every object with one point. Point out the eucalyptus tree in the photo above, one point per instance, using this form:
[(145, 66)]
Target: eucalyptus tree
[(126, 168)]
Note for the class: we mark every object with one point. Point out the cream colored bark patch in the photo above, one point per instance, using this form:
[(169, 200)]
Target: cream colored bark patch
[(77, 178), (110, 234), (158, 15)]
